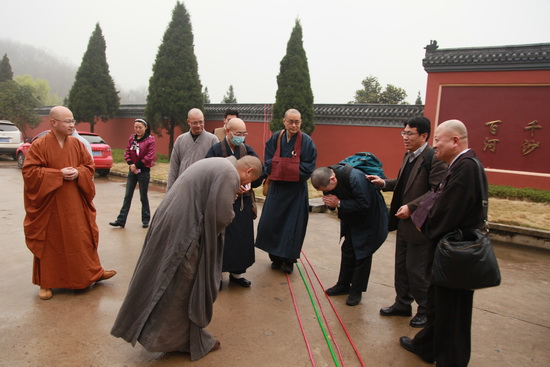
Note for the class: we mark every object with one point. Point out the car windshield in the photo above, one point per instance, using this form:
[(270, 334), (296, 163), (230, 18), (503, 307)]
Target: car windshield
[(93, 139), (8, 127), (39, 135)]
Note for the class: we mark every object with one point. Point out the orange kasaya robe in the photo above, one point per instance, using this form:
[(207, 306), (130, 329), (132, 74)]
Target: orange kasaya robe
[(60, 225)]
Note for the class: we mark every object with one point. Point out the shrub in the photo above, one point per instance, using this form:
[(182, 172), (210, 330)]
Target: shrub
[(513, 193)]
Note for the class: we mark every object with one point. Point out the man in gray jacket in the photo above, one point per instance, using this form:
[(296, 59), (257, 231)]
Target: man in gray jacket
[(420, 172)]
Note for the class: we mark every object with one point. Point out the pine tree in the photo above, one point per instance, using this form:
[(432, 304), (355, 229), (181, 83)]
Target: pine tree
[(418, 99), (5, 69), (229, 97), (206, 96), (175, 86), (93, 95), (294, 84)]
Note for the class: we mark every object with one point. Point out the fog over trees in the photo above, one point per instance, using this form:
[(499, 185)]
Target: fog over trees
[(60, 74)]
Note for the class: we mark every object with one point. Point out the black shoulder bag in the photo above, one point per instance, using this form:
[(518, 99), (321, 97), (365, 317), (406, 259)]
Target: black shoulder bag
[(464, 259)]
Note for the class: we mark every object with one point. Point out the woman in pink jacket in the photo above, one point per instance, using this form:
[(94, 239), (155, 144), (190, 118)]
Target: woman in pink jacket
[(140, 156)]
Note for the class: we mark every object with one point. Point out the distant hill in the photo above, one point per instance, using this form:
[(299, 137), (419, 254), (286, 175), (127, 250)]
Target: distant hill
[(27, 59)]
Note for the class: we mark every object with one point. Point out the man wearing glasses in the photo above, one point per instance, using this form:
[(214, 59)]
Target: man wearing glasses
[(420, 172), (60, 226), (190, 146), (238, 249)]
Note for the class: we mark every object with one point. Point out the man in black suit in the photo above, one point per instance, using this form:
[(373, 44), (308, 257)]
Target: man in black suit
[(420, 173), (456, 204)]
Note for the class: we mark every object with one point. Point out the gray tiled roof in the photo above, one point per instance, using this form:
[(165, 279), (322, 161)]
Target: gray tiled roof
[(371, 114), (512, 57)]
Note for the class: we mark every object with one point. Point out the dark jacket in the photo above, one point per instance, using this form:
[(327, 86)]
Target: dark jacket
[(423, 178), (362, 212)]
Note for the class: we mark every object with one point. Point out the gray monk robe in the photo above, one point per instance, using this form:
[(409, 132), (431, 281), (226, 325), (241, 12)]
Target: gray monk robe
[(187, 150), (175, 283)]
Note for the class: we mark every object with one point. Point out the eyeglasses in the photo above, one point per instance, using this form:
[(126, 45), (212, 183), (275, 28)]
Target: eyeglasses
[(239, 133), (408, 133), (293, 122), (197, 123), (68, 121)]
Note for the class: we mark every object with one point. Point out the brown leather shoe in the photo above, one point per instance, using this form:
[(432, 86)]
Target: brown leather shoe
[(45, 293), (107, 274), (217, 345)]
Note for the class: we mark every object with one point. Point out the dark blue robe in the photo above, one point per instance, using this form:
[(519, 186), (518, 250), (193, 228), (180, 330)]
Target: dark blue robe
[(238, 250), (283, 223)]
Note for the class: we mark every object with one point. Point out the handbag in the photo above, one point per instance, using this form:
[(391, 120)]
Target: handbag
[(464, 259), (287, 168)]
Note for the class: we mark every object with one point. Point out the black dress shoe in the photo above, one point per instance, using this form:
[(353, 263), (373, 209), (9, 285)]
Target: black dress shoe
[(288, 268), (407, 344), (275, 265), (337, 290), (353, 299), (116, 224), (418, 321), (394, 311), (243, 282), (145, 225)]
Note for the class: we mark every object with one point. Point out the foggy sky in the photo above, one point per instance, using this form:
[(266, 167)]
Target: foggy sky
[(242, 42)]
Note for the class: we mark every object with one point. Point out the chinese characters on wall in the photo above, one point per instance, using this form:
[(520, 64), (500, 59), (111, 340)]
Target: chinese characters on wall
[(529, 145)]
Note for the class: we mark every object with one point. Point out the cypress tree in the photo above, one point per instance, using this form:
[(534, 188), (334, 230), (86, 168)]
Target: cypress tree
[(93, 95), (294, 84), (5, 69), (174, 87), (206, 96), (229, 97)]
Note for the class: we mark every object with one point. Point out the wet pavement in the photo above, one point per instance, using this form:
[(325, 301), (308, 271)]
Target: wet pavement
[(257, 326)]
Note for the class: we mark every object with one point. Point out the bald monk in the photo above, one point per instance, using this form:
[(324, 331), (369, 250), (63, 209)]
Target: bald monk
[(60, 227), (171, 295), (190, 146)]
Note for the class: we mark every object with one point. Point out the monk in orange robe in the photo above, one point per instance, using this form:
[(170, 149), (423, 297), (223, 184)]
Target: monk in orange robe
[(60, 225)]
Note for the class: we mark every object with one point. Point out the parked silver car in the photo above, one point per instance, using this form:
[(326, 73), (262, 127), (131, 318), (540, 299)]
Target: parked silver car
[(10, 138)]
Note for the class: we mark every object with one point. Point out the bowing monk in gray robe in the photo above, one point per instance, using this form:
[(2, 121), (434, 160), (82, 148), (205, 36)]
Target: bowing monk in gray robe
[(170, 297)]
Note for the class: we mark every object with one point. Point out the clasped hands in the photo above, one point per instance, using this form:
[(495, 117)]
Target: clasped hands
[(331, 200), (69, 173)]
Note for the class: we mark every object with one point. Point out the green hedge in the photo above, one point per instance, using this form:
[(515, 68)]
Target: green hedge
[(513, 193), (118, 157)]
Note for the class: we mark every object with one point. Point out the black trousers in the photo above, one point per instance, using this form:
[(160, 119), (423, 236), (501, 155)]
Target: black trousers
[(132, 180), (354, 272), (412, 272), (446, 338)]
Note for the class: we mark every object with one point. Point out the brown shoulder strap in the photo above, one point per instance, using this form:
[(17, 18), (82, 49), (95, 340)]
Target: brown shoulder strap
[(278, 145)]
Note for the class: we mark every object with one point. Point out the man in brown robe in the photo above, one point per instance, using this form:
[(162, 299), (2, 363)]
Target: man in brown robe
[(171, 295), (60, 227)]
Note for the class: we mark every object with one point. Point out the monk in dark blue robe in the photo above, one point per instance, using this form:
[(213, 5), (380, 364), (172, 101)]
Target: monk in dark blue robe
[(290, 157)]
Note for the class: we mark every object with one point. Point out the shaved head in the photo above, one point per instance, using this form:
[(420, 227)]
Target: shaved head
[(194, 112), (455, 127), (450, 139), (249, 168), (236, 124), (58, 112)]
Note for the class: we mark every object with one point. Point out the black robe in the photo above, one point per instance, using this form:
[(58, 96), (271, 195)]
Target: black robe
[(283, 223), (238, 250)]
